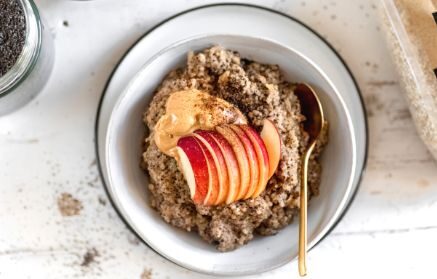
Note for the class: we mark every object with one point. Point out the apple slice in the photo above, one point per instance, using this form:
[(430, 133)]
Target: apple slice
[(263, 158), (193, 163), (220, 163), (233, 170), (272, 141), (253, 160), (242, 159), (214, 187)]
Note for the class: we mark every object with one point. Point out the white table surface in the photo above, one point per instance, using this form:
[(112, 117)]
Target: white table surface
[(47, 150)]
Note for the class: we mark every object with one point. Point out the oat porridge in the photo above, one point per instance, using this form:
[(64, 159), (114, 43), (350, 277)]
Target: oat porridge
[(217, 96)]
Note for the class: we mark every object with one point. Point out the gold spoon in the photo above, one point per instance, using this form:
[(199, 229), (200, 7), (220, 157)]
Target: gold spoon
[(314, 123)]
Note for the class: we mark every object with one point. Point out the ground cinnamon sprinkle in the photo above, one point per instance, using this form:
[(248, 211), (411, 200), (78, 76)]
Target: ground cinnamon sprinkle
[(68, 205)]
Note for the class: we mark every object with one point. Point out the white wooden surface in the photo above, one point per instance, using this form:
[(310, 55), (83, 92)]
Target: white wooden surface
[(47, 150)]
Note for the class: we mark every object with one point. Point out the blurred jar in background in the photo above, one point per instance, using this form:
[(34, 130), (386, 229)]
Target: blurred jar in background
[(23, 74), (411, 31)]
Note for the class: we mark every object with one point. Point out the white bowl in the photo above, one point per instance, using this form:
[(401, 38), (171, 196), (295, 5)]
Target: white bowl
[(127, 183)]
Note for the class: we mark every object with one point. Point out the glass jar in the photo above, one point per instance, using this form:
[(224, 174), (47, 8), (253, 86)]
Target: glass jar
[(33, 67), (411, 33)]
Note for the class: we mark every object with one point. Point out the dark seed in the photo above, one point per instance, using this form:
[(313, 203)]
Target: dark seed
[(12, 33)]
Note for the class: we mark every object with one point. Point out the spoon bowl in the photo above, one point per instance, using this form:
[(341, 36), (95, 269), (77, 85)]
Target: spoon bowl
[(311, 108)]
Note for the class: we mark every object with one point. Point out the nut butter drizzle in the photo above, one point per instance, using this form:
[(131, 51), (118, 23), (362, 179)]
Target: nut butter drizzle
[(190, 110)]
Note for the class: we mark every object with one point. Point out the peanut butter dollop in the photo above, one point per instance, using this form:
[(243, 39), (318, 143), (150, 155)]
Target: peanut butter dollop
[(190, 110)]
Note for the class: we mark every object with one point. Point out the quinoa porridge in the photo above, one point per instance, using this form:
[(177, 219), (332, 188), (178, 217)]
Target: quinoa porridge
[(258, 91)]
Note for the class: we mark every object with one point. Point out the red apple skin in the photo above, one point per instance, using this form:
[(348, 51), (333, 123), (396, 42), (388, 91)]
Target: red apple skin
[(253, 160), (214, 187), (272, 140), (198, 163), (263, 158), (208, 140), (231, 165), (242, 159)]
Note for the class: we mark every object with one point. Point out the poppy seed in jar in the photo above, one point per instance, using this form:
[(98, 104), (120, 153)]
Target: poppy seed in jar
[(12, 33)]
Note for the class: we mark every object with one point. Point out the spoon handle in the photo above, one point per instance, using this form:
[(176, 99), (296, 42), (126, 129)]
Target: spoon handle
[(303, 211)]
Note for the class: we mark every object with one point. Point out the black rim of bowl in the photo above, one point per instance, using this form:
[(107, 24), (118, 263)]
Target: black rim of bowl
[(96, 126)]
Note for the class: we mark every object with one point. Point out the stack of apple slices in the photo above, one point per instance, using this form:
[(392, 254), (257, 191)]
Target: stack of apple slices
[(230, 163)]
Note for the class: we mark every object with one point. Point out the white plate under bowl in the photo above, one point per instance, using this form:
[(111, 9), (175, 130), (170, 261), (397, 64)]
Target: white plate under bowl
[(308, 59)]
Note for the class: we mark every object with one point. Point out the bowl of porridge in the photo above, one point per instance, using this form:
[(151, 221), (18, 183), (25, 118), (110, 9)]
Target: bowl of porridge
[(209, 105)]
